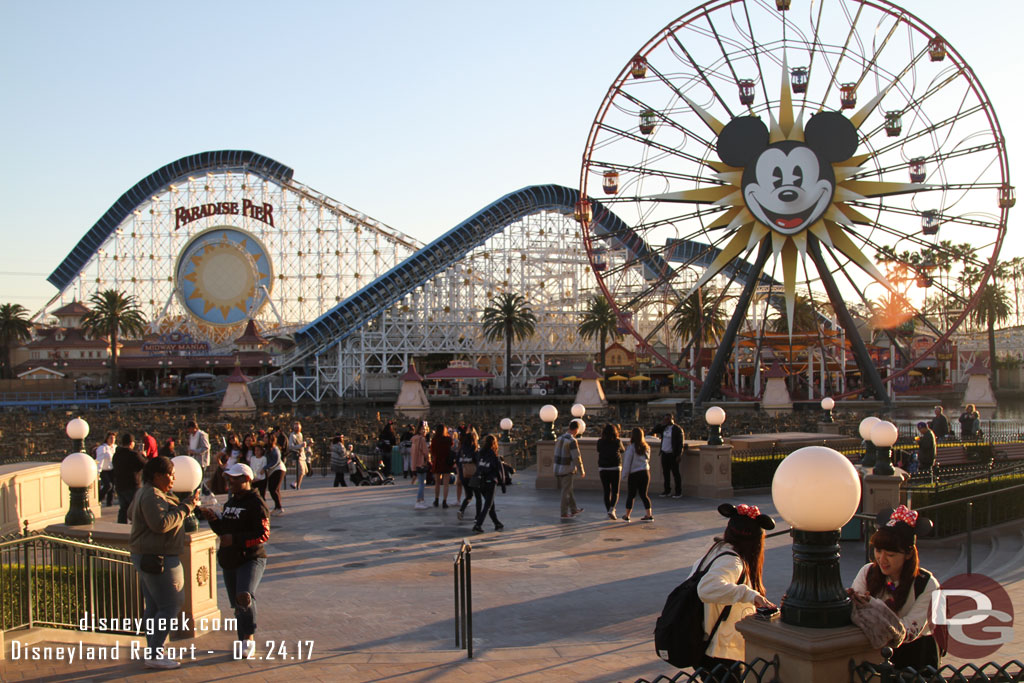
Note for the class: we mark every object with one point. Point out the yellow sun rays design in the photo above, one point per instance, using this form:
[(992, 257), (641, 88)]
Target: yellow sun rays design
[(832, 229)]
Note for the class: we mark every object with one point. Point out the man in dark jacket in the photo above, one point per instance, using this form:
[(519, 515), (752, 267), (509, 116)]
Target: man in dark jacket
[(925, 448), (672, 438), (940, 424), (128, 464)]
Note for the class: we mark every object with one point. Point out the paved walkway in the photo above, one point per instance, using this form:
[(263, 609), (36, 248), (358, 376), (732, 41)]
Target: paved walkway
[(368, 580)]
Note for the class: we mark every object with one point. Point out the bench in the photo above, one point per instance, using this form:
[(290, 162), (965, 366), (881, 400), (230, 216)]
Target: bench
[(946, 456), (1009, 451)]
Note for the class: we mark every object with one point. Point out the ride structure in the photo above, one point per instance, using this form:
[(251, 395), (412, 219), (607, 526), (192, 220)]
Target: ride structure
[(844, 149)]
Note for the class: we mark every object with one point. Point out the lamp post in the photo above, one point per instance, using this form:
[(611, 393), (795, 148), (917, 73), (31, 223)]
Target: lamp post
[(78, 471), (817, 491), (578, 410), (506, 426), (77, 429), (714, 416), (864, 429), (827, 404), (188, 475), (884, 435), (548, 414)]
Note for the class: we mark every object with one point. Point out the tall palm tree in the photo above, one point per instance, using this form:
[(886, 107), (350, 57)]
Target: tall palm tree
[(599, 320), (805, 317), (993, 308), (508, 316), (700, 319), (111, 315), (14, 327)]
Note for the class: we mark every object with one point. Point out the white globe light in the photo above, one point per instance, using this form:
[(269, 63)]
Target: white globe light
[(884, 434), (583, 427), (188, 474), (77, 429), (865, 427), (548, 413), (578, 410), (714, 416), (506, 424), (816, 489), (827, 403), (78, 470)]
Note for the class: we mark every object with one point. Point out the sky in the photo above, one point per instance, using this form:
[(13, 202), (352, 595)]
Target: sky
[(416, 114)]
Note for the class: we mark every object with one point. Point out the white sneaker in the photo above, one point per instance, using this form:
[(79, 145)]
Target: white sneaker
[(420, 505), (162, 663), (248, 649)]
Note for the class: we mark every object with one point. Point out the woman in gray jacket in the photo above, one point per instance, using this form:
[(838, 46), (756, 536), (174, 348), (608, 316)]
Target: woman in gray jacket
[(156, 541)]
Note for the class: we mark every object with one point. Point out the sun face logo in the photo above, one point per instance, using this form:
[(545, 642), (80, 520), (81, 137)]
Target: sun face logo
[(788, 182)]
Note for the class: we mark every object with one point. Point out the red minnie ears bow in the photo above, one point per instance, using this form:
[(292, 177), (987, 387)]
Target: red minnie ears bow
[(903, 514), (750, 510)]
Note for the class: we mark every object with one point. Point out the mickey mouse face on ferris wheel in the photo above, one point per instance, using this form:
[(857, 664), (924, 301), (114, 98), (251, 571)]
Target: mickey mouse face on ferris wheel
[(788, 185)]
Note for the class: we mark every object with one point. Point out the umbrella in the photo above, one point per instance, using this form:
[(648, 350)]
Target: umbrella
[(618, 378), (571, 378), (638, 378)]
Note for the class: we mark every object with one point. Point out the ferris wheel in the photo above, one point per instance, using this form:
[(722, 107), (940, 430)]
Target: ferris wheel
[(832, 161)]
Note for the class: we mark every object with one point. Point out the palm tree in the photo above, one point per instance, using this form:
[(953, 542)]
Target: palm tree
[(599, 320), (805, 317), (113, 314), (993, 308), (700, 319), (508, 316), (14, 327)]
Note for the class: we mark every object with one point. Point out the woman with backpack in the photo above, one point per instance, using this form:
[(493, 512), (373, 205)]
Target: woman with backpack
[(732, 582), (466, 464), (896, 578), (609, 466), (636, 465), (491, 473)]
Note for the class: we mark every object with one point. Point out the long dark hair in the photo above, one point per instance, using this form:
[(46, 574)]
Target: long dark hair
[(640, 445), (887, 539), (470, 440), (750, 547), (490, 443), (610, 432)]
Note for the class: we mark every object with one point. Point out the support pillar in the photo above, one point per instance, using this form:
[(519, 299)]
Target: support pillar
[(707, 471)]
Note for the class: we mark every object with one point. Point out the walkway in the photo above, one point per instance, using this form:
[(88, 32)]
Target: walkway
[(369, 581)]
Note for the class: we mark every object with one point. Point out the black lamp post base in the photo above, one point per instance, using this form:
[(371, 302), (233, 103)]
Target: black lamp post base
[(816, 598), (550, 435), (79, 513)]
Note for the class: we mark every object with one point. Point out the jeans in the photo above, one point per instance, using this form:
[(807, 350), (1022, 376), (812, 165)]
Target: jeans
[(638, 482), (339, 478), (164, 595), (568, 499), (274, 480), (124, 499), (422, 485), (107, 486), (470, 492), (670, 471), (487, 491), (245, 578), (610, 484)]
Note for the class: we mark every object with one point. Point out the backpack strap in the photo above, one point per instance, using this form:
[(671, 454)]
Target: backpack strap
[(921, 582)]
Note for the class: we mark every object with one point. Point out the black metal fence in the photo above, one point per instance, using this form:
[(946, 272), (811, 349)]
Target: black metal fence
[(757, 671), (463, 567), (885, 672), (52, 581)]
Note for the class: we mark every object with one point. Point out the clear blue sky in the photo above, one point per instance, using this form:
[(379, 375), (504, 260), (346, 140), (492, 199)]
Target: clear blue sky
[(417, 114)]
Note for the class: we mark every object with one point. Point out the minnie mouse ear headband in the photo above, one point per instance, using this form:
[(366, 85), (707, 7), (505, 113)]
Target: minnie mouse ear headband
[(746, 519), (907, 524)]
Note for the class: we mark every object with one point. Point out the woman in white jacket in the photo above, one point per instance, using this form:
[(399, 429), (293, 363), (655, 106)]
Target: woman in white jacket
[(733, 580), (636, 467)]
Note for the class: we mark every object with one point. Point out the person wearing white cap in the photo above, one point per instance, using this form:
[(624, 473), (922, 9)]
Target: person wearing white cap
[(244, 529)]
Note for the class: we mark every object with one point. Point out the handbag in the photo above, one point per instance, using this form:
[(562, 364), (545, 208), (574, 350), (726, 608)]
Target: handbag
[(880, 624), (475, 481), (152, 563)]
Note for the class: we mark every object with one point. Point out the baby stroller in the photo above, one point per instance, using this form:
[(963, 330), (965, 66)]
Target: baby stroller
[(362, 476)]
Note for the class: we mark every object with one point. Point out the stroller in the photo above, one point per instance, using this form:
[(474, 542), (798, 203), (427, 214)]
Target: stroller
[(362, 476)]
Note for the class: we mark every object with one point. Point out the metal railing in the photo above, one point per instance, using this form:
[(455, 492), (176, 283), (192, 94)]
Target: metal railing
[(756, 671), (56, 582), (463, 567), (885, 672)]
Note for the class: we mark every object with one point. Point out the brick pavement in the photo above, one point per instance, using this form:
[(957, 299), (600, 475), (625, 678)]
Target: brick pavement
[(368, 580)]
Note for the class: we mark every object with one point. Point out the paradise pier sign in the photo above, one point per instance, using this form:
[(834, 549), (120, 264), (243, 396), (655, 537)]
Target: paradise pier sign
[(183, 215)]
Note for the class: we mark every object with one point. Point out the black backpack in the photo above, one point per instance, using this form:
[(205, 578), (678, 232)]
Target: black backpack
[(679, 633)]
